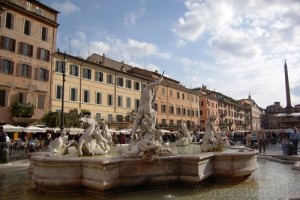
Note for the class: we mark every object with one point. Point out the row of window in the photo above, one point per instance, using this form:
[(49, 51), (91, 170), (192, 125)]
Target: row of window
[(24, 48), (61, 67), (27, 27), (178, 122), (179, 111), (22, 97), (120, 81), (86, 98), (23, 70), (189, 97)]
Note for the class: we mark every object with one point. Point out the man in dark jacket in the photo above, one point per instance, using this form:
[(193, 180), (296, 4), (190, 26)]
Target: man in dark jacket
[(2, 139)]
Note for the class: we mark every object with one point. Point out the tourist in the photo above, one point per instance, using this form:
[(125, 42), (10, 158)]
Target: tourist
[(2, 139), (284, 144), (115, 138), (48, 139), (122, 138), (294, 138), (248, 139), (261, 137)]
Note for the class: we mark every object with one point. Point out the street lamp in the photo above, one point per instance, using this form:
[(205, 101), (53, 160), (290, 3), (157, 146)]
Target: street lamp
[(64, 66)]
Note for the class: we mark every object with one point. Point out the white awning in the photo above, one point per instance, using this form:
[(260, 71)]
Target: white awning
[(34, 129), (11, 128), (55, 130), (288, 115)]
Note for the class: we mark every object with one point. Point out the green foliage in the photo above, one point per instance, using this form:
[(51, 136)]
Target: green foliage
[(22, 110), (71, 119), (85, 112)]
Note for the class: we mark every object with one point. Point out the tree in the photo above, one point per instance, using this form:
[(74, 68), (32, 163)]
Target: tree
[(22, 110)]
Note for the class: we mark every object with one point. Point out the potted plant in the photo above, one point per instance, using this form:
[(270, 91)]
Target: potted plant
[(22, 110)]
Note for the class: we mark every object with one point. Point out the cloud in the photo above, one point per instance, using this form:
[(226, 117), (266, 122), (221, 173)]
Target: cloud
[(100, 47), (117, 49), (192, 25), (65, 7), (236, 28), (132, 17), (230, 44), (180, 43)]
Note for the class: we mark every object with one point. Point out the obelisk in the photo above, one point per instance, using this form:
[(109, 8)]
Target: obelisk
[(289, 108)]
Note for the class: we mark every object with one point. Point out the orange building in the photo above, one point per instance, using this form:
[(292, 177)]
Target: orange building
[(27, 42)]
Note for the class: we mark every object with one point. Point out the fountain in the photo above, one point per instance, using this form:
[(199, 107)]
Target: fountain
[(144, 163)]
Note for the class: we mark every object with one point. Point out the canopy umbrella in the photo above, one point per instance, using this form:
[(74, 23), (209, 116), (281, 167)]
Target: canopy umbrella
[(112, 131), (163, 131), (54, 130), (11, 128), (34, 129), (124, 131)]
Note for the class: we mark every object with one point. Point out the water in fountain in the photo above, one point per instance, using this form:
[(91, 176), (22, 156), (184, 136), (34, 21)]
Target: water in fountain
[(266, 183)]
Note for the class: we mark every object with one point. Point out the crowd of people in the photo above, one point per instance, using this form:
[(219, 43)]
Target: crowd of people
[(261, 139), (258, 139)]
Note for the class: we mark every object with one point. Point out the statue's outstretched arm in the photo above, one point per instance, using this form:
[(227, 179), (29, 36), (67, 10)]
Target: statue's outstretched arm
[(154, 83)]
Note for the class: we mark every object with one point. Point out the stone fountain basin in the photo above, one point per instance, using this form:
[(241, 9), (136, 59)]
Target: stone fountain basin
[(107, 175)]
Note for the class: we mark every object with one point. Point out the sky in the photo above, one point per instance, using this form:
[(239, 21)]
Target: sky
[(234, 47)]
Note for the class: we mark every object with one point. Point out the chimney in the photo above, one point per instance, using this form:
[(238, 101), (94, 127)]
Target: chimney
[(103, 57)]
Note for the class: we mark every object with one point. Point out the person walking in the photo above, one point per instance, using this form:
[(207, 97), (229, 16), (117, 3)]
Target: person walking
[(248, 139), (294, 138), (284, 144), (261, 137), (2, 139)]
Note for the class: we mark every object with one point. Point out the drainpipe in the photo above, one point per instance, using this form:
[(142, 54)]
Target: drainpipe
[(51, 71), (198, 109), (115, 94), (80, 84)]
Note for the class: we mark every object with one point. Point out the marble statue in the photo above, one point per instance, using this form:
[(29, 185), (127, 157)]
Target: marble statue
[(91, 142), (145, 107), (58, 144), (146, 141), (105, 132), (211, 139), (224, 139), (185, 138)]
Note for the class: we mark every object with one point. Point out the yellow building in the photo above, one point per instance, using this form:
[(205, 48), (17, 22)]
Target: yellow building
[(107, 92), (112, 90), (27, 41)]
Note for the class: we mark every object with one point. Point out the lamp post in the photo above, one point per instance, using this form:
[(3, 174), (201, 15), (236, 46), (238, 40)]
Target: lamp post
[(63, 93)]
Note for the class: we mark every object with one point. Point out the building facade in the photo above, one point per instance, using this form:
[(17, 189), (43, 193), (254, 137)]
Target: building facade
[(231, 114), (254, 119), (107, 92), (27, 42)]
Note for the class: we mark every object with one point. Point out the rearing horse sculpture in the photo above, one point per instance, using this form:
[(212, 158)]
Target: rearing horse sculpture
[(87, 135), (91, 142)]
